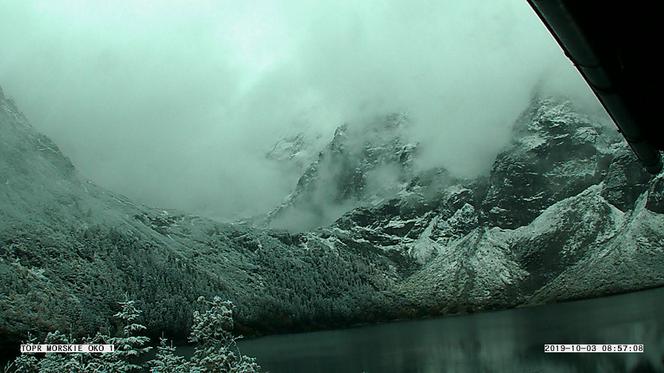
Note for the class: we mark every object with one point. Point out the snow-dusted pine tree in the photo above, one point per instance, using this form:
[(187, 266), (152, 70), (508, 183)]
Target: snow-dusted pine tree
[(166, 361), (57, 363), (130, 345), (216, 349)]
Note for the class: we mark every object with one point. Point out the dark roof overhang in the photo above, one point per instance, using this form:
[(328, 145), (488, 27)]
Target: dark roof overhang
[(614, 45)]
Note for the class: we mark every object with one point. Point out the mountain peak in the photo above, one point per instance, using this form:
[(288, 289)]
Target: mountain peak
[(363, 163)]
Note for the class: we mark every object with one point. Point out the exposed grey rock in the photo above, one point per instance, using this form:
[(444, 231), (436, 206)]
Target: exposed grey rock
[(362, 164), (555, 155), (625, 179), (655, 201)]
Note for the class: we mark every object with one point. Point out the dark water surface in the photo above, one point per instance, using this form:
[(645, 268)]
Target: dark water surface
[(504, 341)]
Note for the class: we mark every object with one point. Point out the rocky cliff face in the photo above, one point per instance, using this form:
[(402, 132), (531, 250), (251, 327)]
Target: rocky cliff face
[(559, 199), (362, 164), (565, 213), (556, 153)]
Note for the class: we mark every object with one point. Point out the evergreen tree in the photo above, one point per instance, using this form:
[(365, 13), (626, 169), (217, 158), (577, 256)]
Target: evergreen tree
[(216, 350), (27, 363), (166, 361), (59, 363), (130, 345)]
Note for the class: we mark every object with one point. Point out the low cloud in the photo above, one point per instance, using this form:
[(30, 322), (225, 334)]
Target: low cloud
[(176, 104)]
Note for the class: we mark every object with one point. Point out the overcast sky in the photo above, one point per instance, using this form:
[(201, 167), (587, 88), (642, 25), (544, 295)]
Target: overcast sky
[(175, 103)]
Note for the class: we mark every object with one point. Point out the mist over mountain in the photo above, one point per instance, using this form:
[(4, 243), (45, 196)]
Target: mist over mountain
[(175, 105), (566, 212), (363, 163)]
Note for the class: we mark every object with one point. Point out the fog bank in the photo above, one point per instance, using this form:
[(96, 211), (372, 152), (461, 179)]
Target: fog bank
[(176, 104)]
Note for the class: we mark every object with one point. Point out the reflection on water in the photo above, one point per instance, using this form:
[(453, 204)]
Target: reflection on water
[(505, 341)]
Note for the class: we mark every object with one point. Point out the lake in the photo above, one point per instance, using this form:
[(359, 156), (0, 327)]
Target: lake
[(503, 341)]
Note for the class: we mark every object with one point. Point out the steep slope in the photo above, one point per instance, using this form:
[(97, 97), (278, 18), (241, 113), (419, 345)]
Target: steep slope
[(477, 272), (627, 256), (556, 153), (564, 234)]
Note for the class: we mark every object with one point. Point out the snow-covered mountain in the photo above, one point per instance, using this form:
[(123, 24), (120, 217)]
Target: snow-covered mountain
[(565, 208), (566, 212), (362, 164)]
